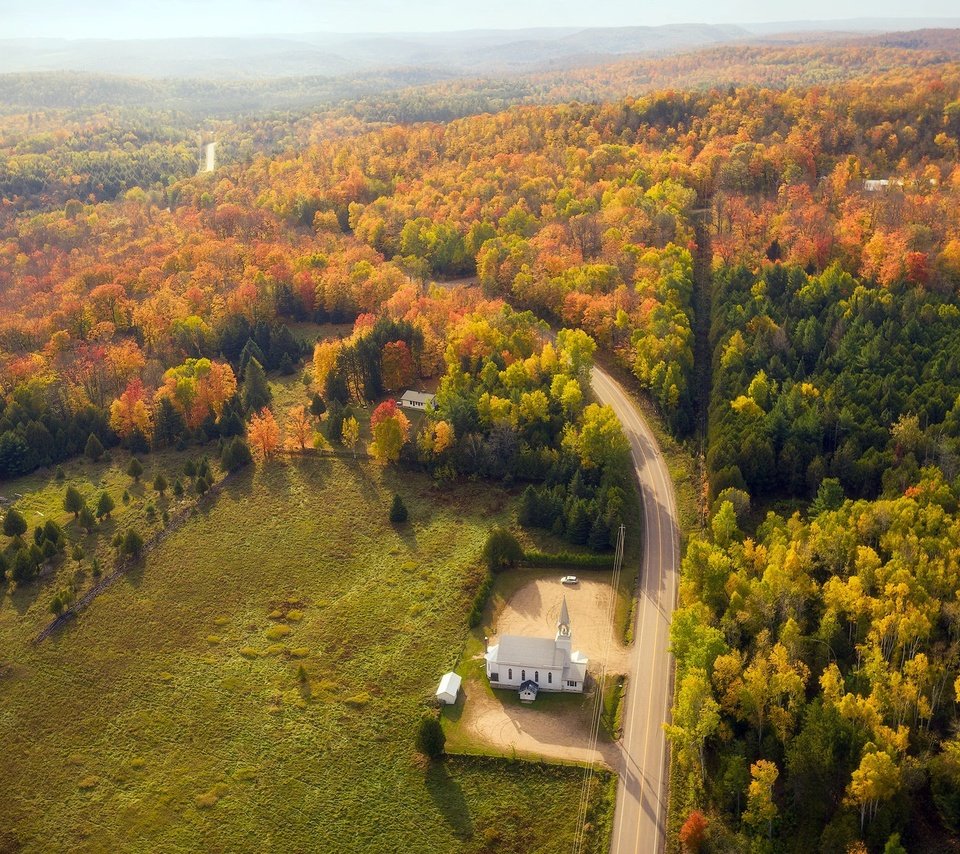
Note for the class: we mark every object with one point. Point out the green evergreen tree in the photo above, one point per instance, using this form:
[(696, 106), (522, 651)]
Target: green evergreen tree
[(317, 406), (599, 539), (160, 483), (73, 501), (135, 469), (256, 391), (527, 515), (86, 519), (78, 554), (105, 505), (132, 543), (14, 525), (178, 488), (94, 448), (430, 737), (235, 455), (398, 510), (23, 567), (578, 525)]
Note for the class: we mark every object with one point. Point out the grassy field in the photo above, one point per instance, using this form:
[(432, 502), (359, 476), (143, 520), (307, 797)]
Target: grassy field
[(172, 715)]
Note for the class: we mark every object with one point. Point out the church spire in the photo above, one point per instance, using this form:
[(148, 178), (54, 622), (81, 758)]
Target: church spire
[(563, 621)]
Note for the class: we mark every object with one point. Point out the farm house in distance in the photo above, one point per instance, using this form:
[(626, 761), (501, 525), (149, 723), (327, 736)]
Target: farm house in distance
[(538, 664), (416, 399)]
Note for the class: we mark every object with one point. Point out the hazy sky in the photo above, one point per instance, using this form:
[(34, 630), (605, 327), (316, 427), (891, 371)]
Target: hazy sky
[(171, 18)]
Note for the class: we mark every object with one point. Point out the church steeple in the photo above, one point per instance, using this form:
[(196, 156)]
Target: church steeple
[(563, 621)]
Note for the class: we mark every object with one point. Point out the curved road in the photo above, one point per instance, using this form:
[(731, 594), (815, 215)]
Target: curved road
[(641, 813)]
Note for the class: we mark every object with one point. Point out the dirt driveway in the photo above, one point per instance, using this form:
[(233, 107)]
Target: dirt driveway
[(533, 610), (555, 726)]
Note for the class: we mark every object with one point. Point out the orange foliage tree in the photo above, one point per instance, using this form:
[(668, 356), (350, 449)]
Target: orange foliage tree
[(299, 428), (263, 434)]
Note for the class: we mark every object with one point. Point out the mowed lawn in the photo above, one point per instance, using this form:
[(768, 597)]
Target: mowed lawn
[(172, 715)]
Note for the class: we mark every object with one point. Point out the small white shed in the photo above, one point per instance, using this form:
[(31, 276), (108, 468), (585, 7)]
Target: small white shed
[(449, 688)]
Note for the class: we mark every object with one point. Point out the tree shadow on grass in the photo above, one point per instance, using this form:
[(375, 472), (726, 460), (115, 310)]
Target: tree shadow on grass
[(448, 796), (240, 484)]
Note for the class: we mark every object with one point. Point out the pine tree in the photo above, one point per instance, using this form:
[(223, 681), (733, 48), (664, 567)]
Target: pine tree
[(430, 737), (14, 525), (398, 510), (578, 525), (94, 448), (160, 483), (105, 505), (73, 501), (135, 469), (132, 543), (256, 391), (86, 519), (599, 539), (527, 514), (317, 406)]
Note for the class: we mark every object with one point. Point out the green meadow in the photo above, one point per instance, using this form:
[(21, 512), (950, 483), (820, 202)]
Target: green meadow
[(255, 682)]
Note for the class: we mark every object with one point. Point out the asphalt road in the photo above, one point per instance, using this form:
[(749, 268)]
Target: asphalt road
[(641, 812)]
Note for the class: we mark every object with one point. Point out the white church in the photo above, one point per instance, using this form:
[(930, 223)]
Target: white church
[(538, 664)]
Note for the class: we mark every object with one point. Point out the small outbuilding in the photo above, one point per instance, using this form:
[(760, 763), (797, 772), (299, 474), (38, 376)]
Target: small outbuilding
[(449, 688), (528, 691), (416, 399)]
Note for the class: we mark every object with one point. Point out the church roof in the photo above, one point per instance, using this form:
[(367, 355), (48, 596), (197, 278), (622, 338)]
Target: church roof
[(527, 652)]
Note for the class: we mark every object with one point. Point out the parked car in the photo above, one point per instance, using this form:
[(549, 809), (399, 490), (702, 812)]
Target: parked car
[(568, 579)]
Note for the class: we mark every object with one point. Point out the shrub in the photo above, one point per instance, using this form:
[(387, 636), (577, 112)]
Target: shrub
[(190, 468), (398, 510), (178, 488), (502, 550), (160, 483), (567, 559), (480, 601), (430, 737), (693, 832), (60, 474), (14, 525)]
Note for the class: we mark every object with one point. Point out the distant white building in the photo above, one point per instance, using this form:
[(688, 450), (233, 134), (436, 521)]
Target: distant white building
[(449, 688), (538, 664), (416, 399)]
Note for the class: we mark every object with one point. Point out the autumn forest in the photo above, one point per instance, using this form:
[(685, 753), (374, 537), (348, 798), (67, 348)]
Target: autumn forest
[(765, 244)]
